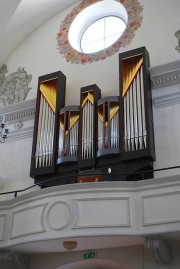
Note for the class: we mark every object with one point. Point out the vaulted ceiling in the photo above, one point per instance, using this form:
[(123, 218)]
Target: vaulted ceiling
[(19, 18)]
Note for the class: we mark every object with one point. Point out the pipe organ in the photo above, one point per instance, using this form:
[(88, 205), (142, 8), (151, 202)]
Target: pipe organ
[(101, 139)]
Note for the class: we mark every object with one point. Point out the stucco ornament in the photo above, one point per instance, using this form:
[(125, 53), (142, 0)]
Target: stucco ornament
[(134, 10), (13, 88)]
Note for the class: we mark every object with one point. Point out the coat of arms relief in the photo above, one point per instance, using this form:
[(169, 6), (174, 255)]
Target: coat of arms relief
[(13, 87)]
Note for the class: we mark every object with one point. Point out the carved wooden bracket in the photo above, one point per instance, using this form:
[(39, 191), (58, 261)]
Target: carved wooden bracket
[(18, 260), (161, 249)]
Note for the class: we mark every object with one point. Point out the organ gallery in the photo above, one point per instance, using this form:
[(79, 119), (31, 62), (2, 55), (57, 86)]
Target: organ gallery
[(100, 139)]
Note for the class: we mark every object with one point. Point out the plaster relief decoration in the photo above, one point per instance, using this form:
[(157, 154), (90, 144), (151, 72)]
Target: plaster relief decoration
[(134, 19), (14, 87)]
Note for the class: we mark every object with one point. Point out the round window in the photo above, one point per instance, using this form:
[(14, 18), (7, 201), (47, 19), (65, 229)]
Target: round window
[(96, 29), (98, 26), (102, 34)]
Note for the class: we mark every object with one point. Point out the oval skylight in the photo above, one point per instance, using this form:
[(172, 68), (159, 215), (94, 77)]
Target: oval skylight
[(98, 26), (102, 34)]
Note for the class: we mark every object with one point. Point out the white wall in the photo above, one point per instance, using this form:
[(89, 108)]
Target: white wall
[(15, 160), (39, 55), (134, 257), (167, 129)]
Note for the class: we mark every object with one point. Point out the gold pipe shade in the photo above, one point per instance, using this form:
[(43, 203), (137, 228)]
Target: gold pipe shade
[(88, 96), (68, 134), (74, 117), (113, 112), (49, 90), (130, 67), (108, 126)]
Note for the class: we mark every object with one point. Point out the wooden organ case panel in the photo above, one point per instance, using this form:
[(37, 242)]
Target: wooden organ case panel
[(50, 98), (136, 132)]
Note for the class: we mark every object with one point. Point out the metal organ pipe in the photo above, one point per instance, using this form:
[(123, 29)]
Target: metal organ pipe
[(39, 133), (87, 127), (135, 133), (108, 125), (68, 134), (45, 134)]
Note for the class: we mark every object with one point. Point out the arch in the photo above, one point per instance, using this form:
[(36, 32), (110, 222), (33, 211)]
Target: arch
[(94, 264)]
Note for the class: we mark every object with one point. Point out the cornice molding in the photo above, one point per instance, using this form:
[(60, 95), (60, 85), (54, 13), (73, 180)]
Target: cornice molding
[(78, 210), (93, 187), (20, 118), (21, 111), (165, 75), (167, 100)]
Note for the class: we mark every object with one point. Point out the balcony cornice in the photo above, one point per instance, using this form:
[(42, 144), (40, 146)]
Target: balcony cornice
[(80, 204)]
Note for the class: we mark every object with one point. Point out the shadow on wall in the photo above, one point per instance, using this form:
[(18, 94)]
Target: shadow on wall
[(94, 264)]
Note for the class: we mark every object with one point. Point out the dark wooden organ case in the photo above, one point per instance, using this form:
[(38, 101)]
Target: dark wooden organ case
[(103, 139), (136, 116), (50, 99)]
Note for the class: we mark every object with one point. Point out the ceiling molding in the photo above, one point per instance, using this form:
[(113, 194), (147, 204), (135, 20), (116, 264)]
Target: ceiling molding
[(167, 100), (20, 119), (165, 75)]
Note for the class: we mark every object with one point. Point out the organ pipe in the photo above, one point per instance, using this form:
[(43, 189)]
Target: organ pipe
[(68, 134), (108, 125)]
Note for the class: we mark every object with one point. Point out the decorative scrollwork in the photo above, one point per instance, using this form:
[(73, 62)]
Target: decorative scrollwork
[(161, 249), (18, 125), (13, 88), (17, 260)]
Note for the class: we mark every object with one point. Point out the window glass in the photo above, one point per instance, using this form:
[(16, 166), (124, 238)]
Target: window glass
[(102, 34)]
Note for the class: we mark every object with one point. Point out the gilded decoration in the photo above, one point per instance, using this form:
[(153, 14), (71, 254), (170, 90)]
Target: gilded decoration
[(134, 10), (13, 88)]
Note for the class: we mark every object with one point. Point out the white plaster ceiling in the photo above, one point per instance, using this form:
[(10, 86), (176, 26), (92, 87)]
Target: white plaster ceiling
[(18, 18)]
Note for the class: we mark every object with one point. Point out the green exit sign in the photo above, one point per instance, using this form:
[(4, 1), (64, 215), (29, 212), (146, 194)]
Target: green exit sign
[(89, 255)]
